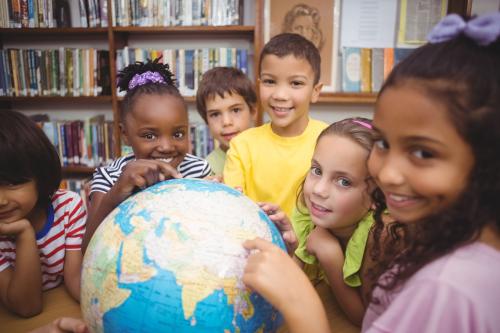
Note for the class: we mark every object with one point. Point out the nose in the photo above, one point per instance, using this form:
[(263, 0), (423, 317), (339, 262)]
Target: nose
[(280, 93), (321, 188), (388, 171), (3, 198), (227, 120), (165, 145)]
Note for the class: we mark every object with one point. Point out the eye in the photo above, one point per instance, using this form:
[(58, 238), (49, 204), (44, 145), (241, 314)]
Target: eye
[(179, 135), (344, 182), (236, 110), (316, 171), (422, 154), (297, 83), (149, 136), (214, 114), (381, 144), (267, 82)]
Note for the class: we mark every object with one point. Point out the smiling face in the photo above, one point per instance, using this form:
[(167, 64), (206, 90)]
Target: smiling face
[(157, 128), (227, 117), (335, 189), (420, 161), (286, 90), (17, 201)]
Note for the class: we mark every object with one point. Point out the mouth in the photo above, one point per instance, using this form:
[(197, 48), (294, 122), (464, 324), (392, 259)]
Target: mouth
[(229, 136), (7, 213), (318, 210), (281, 111), (394, 200), (166, 160)]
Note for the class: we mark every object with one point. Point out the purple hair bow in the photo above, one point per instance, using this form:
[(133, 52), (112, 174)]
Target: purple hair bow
[(146, 77), (483, 29)]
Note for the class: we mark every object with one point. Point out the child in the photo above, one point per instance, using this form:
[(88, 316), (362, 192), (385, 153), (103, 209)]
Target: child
[(269, 162), (336, 194), (226, 101), (436, 161), (154, 122), (41, 227)]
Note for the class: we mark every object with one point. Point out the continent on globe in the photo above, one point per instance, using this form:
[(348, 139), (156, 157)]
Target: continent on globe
[(170, 259)]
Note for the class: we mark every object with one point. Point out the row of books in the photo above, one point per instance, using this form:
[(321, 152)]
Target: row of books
[(78, 185), (56, 72), (187, 65), (86, 142), (53, 13), (364, 70), (146, 13)]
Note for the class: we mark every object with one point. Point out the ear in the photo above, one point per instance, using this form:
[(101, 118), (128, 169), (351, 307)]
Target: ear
[(123, 132), (316, 91)]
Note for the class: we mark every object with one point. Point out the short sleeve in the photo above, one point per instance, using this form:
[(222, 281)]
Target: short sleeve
[(428, 306), (101, 182), (302, 225), (234, 169), (76, 223), (4, 263)]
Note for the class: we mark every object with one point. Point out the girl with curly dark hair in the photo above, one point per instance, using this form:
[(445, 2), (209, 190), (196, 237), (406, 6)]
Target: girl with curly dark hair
[(154, 122), (436, 161)]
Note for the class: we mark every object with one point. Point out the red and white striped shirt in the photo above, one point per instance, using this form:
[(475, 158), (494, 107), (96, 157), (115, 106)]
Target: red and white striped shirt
[(62, 232)]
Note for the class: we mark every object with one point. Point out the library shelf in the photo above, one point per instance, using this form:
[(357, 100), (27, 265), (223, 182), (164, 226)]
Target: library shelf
[(78, 169), (55, 99), (347, 98), (9, 32)]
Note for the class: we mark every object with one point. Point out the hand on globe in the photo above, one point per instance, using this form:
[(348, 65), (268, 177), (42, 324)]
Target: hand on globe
[(282, 222), (141, 174)]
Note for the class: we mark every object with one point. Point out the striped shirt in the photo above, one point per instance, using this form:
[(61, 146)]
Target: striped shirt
[(105, 177), (62, 232)]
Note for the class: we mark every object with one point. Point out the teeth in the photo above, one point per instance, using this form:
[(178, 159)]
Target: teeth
[(281, 109), (322, 209), (167, 160), (398, 198)]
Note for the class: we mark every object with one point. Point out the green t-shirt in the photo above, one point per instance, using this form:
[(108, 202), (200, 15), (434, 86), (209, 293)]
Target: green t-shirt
[(354, 252), (217, 159)]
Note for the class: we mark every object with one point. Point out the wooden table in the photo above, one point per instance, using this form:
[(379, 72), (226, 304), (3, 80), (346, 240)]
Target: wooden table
[(58, 303)]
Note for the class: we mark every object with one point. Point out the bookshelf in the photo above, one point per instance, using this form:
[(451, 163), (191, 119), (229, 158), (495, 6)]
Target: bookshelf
[(116, 37)]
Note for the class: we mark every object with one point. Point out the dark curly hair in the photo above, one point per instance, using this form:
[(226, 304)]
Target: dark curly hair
[(27, 154), (127, 74), (465, 77)]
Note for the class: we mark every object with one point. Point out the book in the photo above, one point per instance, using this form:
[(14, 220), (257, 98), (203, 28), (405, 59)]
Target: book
[(377, 69), (388, 61), (351, 69), (366, 70)]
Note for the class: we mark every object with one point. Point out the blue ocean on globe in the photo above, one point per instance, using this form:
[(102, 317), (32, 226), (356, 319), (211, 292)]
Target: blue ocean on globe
[(170, 259)]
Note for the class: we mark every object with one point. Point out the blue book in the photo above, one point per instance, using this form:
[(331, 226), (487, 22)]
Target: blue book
[(189, 69), (243, 61), (2, 75), (351, 69)]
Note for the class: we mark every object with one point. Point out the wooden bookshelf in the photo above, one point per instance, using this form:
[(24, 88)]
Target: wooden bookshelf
[(347, 98), (12, 32), (78, 169), (56, 99), (240, 30)]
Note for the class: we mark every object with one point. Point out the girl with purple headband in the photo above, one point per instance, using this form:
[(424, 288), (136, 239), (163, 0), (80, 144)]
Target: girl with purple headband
[(333, 217), (154, 122), (435, 161)]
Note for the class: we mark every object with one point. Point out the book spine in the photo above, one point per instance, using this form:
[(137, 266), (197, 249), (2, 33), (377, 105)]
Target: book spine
[(351, 74), (366, 70)]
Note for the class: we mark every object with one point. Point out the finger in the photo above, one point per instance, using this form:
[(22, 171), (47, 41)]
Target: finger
[(139, 181), (258, 244), (239, 189), (68, 324), (167, 170)]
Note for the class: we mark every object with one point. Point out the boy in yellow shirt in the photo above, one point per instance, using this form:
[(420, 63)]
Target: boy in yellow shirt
[(269, 162), (226, 100)]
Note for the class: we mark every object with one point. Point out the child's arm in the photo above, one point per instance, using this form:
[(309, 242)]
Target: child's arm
[(274, 275), (327, 249), (21, 285), (283, 224), (72, 273), (138, 174)]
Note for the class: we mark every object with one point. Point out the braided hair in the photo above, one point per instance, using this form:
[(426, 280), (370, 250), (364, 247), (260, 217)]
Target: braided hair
[(128, 74)]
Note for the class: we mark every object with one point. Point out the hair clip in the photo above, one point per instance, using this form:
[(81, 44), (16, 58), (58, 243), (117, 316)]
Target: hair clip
[(363, 123), (484, 29), (143, 78)]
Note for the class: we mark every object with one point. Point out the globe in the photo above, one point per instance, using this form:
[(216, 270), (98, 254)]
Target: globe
[(170, 259)]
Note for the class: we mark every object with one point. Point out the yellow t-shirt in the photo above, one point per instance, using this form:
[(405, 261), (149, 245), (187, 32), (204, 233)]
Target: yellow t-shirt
[(269, 167), (216, 159)]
